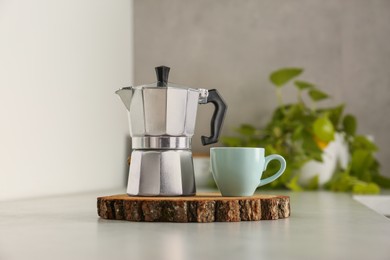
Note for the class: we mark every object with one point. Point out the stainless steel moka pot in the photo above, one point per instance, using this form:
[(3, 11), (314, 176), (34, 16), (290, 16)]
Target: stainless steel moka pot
[(162, 121)]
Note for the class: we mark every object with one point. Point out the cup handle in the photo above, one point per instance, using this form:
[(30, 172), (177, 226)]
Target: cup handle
[(276, 175)]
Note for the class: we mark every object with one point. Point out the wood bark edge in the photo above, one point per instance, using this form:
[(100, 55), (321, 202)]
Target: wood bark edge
[(193, 209)]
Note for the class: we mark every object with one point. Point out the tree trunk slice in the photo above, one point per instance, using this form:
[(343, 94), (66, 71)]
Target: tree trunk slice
[(210, 207)]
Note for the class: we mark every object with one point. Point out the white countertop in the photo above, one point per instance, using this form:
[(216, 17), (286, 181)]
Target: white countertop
[(322, 225)]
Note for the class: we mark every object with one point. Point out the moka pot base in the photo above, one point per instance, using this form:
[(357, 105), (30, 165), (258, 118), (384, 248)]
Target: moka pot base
[(161, 173)]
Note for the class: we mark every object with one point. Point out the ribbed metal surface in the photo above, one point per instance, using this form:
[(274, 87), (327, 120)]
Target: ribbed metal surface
[(161, 173), (164, 111)]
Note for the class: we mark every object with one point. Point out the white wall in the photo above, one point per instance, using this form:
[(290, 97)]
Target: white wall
[(62, 128)]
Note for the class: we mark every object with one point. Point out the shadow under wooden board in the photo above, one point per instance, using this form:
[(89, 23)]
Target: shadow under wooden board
[(204, 207)]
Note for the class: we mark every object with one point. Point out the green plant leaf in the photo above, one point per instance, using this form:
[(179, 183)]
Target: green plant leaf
[(314, 183), (277, 131), (303, 85), (349, 124), (361, 162), (294, 112), (269, 149), (310, 148), (297, 133), (247, 130), (317, 95), (282, 76), (334, 114), (232, 141), (382, 181), (293, 184), (366, 188), (362, 142), (341, 181)]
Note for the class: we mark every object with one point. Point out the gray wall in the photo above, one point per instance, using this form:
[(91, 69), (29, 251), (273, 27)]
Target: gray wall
[(234, 45)]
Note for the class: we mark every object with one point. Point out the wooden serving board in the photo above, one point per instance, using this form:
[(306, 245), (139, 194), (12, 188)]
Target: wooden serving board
[(200, 208)]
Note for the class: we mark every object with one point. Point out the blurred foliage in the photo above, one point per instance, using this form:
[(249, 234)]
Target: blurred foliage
[(300, 131)]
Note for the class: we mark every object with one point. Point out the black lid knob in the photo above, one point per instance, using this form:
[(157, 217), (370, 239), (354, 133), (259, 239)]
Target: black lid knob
[(162, 73)]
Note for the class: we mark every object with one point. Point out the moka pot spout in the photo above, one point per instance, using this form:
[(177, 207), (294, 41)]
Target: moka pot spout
[(125, 95)]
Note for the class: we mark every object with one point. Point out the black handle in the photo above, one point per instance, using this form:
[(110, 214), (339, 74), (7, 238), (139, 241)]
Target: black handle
[(162, 73), (218, 116)]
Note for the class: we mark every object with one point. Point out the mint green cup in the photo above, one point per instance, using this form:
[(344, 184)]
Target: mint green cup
[(237, 171)]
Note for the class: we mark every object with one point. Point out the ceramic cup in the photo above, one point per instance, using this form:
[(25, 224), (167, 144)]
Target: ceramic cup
[(237, 171)]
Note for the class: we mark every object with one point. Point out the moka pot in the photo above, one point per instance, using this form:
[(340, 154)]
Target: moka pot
[(162, 121)]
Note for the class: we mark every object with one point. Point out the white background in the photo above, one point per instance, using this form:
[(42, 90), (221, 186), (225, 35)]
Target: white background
[(62, 128)]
